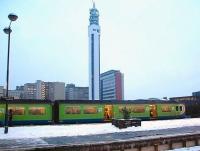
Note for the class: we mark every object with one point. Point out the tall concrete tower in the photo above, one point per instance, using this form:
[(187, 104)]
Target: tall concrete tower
[(94, 54)]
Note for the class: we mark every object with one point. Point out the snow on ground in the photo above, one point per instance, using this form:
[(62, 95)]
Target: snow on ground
[(90, 129), (196, 148)]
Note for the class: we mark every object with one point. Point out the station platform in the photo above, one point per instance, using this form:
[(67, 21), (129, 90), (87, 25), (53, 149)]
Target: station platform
[(80, 142)]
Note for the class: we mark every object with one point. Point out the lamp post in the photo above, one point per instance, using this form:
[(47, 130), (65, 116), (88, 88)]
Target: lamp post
[(7, 30)]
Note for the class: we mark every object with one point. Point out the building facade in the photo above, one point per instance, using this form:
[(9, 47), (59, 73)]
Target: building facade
[(94, 54), (16, 94), (40, 90), (44, 90), (20, 88), (76, 93), (112, 85), (34, 90), (196, 93), (30, 91), (55, 91), (1, 91)]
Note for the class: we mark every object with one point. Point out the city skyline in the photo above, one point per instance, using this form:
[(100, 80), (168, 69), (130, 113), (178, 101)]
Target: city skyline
[(155, 44)]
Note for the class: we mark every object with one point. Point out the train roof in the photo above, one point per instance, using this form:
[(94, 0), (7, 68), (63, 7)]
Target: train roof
[(116, 101), (25, 101), (139, 101)]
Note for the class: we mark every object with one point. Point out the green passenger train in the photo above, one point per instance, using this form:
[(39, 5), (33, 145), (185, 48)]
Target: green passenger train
[(27, 112), (79, 111)]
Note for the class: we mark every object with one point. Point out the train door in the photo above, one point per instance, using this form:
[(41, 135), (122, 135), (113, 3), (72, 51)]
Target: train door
[(108, 112), (153, 111)]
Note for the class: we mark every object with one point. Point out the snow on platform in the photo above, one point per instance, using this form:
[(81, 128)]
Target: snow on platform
[(196, 148), (90, 129)]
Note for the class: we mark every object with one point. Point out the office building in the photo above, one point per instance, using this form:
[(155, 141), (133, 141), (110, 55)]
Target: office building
[(54, 90), (186, 99), (16, 94), (1, 91), (40, 90), (94, 54), (112, 85), (196, 93), (34, 90), (20, 88), (76, 93), (30, 91)]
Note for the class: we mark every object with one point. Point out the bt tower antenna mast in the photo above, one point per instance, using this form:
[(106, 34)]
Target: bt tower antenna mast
[(94, 54)]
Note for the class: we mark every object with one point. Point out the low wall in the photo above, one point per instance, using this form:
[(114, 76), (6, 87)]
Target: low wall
[(152, 143)]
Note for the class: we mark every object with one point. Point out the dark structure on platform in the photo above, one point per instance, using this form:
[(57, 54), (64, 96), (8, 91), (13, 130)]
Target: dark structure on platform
[(124, 123), (127, 121)]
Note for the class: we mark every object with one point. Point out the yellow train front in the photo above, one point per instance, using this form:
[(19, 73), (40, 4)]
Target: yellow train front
[(36, 112)]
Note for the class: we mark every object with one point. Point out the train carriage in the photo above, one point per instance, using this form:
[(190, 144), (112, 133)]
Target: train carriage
[(87, 111), (136, 109), (26, 112), (170, 111), (80, 111), (2, 111), (150, 110)]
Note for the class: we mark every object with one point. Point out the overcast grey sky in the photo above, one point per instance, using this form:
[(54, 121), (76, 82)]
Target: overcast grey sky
[(155, 43)]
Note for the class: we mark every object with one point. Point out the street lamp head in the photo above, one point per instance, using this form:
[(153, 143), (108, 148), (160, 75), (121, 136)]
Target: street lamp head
[(12, 17), (7, 30)]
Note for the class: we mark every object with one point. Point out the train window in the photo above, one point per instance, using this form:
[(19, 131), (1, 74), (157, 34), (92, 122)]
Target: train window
[(165, 108), (122, 107), (138, 109), (176, 108), (36, 110), (90, 110), (181, 108), (17, 110), (134, 109), (72, 110), (1, 111)]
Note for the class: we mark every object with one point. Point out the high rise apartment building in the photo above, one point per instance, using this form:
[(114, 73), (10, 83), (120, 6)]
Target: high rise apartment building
[(112, 85), (16, 94), (55, 91), (40, 90), (34, 90), (76, 93), (44, 90), (94, 54), (21, 88), (30, 91), (1, 91)]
